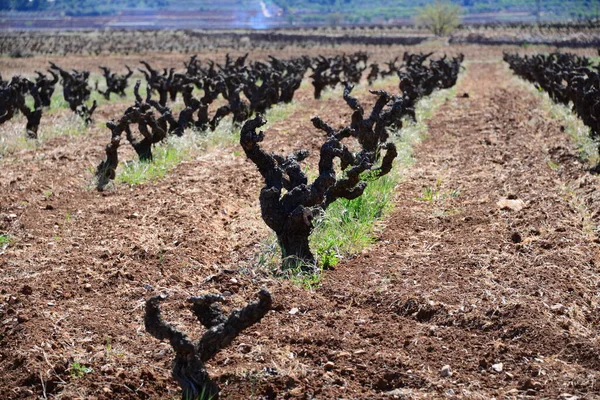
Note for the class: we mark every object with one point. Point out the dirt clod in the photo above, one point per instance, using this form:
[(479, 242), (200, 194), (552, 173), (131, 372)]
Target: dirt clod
[(446, 371)]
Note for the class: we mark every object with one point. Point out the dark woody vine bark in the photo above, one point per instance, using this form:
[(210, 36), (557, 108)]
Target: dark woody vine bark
[(189, 368)]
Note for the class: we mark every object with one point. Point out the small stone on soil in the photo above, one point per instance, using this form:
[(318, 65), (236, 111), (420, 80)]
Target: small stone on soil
[(567, 396), (400, 394), (512, 205), (329, 366), (530, 384), (446, 371), (244, 348), (497, 367), (559, 308), (107, 369), (294, 311)]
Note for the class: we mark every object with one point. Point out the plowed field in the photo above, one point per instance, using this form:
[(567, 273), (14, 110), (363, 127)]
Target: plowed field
[(486, 287)]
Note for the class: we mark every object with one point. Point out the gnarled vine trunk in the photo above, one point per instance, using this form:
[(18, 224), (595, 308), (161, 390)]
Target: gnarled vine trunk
[(190, 357)]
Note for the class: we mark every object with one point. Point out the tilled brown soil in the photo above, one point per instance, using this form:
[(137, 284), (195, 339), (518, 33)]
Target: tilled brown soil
[(74, 282), (507, 298)]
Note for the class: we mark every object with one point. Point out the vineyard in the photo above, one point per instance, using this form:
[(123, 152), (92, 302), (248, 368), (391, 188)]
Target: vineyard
[(345, 216)]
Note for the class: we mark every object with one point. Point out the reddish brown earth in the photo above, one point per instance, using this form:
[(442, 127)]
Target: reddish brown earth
[(458, 281), (454, 280)]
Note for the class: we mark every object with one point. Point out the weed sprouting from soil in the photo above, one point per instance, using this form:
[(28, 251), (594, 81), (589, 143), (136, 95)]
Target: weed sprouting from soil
[(5, 241), (204, 395), (280, 111), (175, 150), (166, 157), (12, 139), (79, 370), (435, 193)]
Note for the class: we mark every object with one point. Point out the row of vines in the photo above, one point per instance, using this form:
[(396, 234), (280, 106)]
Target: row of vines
[(350, 157), (29, 43), (289, 203), (568, 79)]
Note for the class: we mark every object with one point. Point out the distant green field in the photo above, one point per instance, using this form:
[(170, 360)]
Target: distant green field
[(326, 11), (89, 7), (367, 11)]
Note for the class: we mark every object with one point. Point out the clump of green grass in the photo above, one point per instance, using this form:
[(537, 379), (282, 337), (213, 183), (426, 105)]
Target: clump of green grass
[(332, 93), (435, 193), (305, 84), (11, 142), (204, 395), (225, 134), (13, 137), (280, 111), (174, 150), (69, 125), (78, 370), (269, 260), (5, 241), (348, 226), (306, 280), (575, 128), (57, 101), (165, 157)]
